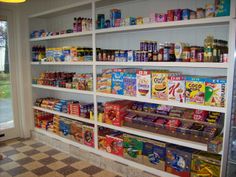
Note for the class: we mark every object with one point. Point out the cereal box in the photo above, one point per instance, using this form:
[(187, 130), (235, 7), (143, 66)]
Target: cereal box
[(205, 164), (117, 84), (195, 90), (58, 54), (50, 54), (76, 131), (143, 84), (154, 154), (130, 84), (88, 135), (160, 85), (176, 88), (114, 145), (178, 160), (133, 147), (215, 92)]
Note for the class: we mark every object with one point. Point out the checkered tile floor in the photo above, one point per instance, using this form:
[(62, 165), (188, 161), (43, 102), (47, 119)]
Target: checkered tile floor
[(29, 158)]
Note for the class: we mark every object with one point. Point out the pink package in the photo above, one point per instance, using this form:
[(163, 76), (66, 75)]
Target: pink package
[(161, 17), (152, 17)]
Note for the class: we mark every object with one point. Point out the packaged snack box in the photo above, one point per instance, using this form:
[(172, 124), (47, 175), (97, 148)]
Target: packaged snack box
[(176, 89), (205, 164), (114, 145), (64, 127), (76, 131), (154, 154), (88, 135), (215, 92), (143, 84), (195, 90), (50, 54), (130, 84), (178, 160), (104, 83), (115, 111), (133, 147), (58, 55)]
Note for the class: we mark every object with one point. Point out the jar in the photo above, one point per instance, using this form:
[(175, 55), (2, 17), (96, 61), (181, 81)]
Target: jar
[(150, 46), (193, 54), (160, 52), (172, 52), (200, 54), (166, 54), (186, 54), (155, 56)]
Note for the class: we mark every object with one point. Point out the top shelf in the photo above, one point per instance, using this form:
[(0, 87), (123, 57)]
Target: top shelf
[(165, 25)]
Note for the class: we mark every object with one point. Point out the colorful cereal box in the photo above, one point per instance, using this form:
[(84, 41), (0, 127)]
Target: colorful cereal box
[(58, 56), (215, 92), (88, 135), (160, 85), (176, 89), (117, 84), (178, 160), (205, 164), (130, 84), (154, 154), (114, 145), (143, 84), (133, 147), (50, 54), (104, 83), (195, 90)]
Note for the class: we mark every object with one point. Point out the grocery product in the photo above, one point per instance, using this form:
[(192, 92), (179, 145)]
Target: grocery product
[(195, 90), (178, 160), (114, 144), (133, 147), (154, 154), (160, 85), (115, 111), (76, 131), (215, 92), (143, 84), (205, 164), (88, 135), (222, 8), (130, 84), (117, 79), (176, 89)]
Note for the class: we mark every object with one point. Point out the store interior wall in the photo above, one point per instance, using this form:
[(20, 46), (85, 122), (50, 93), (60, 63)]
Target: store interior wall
[(20, 14)]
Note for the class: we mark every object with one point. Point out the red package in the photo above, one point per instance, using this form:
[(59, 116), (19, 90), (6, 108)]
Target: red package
[(200, 115), (114, 145), (170, 15), (115, 112)]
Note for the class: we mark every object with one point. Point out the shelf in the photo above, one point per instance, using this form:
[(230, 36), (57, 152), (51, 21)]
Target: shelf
[(105, 154), (68, 35), (169, 103), (166, 64), (169, 117), (84, 63), (63, 10), (62, 89), (165, 25), (74, 117), (159, 137)]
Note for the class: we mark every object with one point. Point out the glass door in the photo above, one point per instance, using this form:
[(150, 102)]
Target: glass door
[(8, 125)]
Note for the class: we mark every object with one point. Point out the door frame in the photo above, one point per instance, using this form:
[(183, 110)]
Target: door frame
[(12, 53)]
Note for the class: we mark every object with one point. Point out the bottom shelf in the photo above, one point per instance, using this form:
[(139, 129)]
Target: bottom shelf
[(106, 155)]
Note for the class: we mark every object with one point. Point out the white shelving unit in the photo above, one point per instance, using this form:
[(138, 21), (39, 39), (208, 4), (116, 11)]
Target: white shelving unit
[(189, 30)]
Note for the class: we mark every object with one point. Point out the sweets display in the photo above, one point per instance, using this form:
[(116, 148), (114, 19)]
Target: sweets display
[(214, 50), (163, 85), (72, 107), (66, 80), (196, 125), (80, 24), (219, 8), (61, 54)]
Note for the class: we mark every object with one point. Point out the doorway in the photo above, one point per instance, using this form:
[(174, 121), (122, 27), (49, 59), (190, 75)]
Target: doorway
[(9, 126)]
